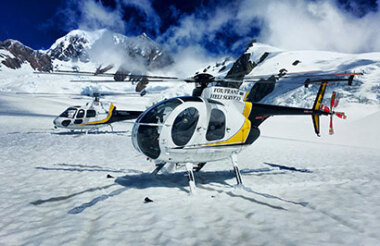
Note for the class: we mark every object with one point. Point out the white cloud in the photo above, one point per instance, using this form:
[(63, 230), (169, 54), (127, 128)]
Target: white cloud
[(289, 24), (93, 15), (317, 25), (190, 59)]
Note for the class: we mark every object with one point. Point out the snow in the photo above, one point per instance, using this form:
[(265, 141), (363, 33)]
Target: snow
[(290, 91), (299, 189), (55, 187), (90, 36)]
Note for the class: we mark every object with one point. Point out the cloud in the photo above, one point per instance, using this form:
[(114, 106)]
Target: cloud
[(191, 59), (93, 15), (227, 27), (87, 15), (316, 25), (151, 20), (289, 24), (198, 28)]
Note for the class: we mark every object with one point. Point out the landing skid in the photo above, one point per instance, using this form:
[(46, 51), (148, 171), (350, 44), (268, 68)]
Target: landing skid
[(190, 175), (191, 168), (236, 169)]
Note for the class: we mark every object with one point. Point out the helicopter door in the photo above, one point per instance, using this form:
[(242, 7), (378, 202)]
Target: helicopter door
[(79, 117), (217, 126)]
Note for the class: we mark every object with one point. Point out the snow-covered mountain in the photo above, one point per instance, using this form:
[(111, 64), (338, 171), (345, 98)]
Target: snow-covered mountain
[(262, 59), (81, 48), (13, 54), (106, 47), (85, 50)]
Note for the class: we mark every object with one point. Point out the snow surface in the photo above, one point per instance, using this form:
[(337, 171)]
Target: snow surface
[(55, 189), (299, 189)]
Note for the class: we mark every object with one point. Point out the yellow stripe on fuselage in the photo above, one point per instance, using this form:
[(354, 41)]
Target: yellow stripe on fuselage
[(239, 137), (242, 135), (104, 120), (247, 109), (246, 95)]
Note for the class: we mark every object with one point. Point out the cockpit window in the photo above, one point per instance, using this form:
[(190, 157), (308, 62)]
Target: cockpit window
[(80, 113), (159, 112), (147, 136), (184, 126), (217, 125), (69, 113)]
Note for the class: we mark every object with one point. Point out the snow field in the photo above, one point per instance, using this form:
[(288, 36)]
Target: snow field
[(56, 190)]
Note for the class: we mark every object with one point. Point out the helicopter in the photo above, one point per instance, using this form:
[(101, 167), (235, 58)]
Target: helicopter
[(93, 115), (218, 122), (217, 125)]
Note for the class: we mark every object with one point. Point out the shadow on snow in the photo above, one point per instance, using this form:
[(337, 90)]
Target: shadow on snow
[(176, 180)]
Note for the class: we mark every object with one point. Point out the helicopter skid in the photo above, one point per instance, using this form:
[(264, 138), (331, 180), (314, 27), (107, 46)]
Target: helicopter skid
[(192, 167)]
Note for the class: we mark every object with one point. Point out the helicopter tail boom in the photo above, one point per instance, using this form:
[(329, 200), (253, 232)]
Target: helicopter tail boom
[(261, 112)]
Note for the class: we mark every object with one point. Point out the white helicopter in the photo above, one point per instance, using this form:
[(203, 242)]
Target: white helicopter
[(93, 115), (217, 122), (216, 125)]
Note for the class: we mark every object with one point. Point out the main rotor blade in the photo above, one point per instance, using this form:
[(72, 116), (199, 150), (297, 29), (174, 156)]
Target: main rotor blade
[(310, 77), (112, 81), (85, 73), (303, 74)]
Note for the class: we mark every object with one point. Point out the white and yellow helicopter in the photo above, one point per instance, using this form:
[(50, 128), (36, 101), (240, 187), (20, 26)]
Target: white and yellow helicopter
[(216, 125), (93, 115), (217, 122)]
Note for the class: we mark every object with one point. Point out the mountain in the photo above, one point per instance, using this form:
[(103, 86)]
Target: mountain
[(262, 59), (78, 47), (13, 54)]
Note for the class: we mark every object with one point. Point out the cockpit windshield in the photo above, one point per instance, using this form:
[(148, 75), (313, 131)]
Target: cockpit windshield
[(69, 113), (147, 136), (159, 112)]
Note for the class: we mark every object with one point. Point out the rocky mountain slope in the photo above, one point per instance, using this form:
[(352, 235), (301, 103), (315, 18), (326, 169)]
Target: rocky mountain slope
[(13, 54)]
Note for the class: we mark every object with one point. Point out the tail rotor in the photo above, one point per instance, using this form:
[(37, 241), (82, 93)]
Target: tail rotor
[(330, 110)]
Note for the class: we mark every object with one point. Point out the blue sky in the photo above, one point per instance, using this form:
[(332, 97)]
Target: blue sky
[(215, 27)]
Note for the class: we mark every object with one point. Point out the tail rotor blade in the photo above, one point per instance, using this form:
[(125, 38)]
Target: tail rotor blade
[(325, 108), (331, 129), (332, 103), (341, 115)]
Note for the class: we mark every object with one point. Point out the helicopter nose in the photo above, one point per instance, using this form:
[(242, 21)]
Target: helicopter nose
[(61, 122), (56, 122)]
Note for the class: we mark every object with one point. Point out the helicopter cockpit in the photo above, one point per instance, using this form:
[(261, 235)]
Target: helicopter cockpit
[(77, 113), (178, 129), (69, 113), (146, 133)]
